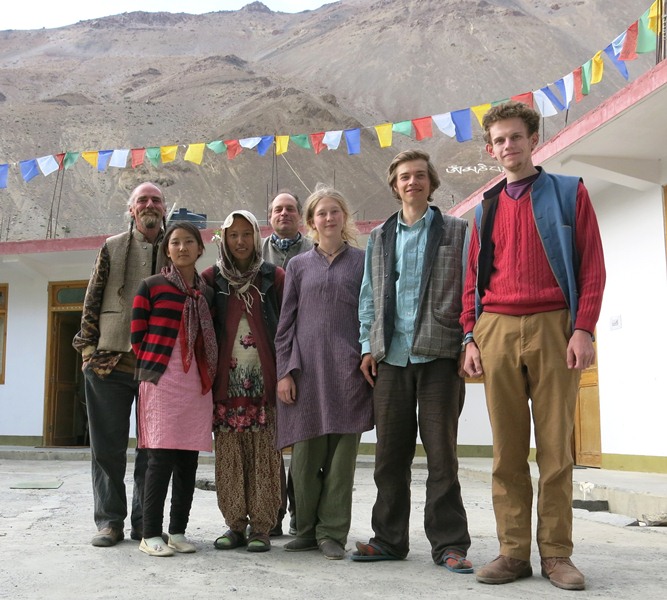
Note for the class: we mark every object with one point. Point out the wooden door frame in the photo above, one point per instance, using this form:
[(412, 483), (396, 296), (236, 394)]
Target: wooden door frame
[(55, 307)]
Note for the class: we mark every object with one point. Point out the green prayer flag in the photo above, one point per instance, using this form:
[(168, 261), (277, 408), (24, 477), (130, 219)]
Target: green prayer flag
[(70, 159), (586, 77), (404, 127), (218, 147), (646, 39), (301, 140), (153, 155)]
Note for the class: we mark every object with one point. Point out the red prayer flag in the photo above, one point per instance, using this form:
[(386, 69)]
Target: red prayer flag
[(578, 94), (423, 128), (526, 98), (628, 52), (138, 155), (59, 159), (233, 148), (316, 141)]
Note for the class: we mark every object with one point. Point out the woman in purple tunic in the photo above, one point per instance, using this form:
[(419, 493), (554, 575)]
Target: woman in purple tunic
[(325, 402)]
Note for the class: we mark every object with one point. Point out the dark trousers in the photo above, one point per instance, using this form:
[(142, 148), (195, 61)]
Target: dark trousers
[(109, 405), (162, 464), (286, 493), (429, 396)]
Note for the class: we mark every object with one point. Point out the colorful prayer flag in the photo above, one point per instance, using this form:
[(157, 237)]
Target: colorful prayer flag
[(316, 141), (332, 139), (404, 128), (479, 111), (233, 149), (119, 158), (424, 128), (138, 155), (168, 153), (265, 143), (47, 165), (463, 125), (29, 169), (628, 52), (90, 157), (301, 140), (384, 134), (353, 141), (445, 124), (195, 153), (218, 146), (103, 158), (282, 143), (153, 155)]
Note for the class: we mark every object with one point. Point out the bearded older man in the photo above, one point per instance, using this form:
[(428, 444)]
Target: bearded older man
[(108, 361)]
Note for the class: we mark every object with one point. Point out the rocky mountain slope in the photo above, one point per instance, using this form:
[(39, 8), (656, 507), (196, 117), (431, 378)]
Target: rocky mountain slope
[(152, 79)]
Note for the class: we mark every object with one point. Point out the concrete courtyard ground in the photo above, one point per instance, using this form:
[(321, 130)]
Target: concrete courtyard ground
[(46, 553)]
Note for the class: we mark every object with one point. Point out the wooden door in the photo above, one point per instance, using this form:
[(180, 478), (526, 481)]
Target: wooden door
[(65, 421), (67, 410), (587, 437)]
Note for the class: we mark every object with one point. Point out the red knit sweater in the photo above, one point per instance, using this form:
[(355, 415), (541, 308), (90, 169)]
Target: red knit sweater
[(522, 282)]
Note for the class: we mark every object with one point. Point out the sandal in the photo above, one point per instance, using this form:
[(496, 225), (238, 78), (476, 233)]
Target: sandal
[(259, 542), (372, 553), (230, 539), (456, 562)]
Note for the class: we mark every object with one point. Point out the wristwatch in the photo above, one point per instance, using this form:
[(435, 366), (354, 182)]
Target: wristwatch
[(467, 338)]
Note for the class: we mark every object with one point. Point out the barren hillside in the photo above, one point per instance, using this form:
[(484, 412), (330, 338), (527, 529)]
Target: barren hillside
[(151, 79)]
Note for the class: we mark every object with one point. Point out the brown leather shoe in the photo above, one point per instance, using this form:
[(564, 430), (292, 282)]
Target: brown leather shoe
[(109, 536), (562, 573), (504, 569)]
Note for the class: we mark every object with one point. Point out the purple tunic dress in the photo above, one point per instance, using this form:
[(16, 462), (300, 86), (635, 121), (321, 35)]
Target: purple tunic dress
[(318, 344)]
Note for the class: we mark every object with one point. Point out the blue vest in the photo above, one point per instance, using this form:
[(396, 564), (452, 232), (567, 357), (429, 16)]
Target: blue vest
[(554, 202)]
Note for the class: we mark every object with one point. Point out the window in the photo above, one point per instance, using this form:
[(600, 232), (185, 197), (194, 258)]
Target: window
[(3, 329)]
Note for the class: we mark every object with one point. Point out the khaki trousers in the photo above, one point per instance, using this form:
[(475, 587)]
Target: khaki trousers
[(524, 358)]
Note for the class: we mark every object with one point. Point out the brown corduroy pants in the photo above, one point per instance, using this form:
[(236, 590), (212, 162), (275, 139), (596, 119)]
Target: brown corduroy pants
[(524, 359)]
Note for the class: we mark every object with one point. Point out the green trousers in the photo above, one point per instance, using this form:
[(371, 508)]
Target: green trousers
[(323, 475)]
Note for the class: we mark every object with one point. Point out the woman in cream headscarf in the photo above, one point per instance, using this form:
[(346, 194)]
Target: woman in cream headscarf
[(248, 295)]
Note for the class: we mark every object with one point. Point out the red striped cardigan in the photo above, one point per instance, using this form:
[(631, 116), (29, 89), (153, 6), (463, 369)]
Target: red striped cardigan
[(156, 320)]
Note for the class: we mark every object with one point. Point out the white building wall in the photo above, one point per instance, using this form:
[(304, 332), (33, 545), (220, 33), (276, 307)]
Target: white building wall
[(22, 395), (632, 330), (474, 426)]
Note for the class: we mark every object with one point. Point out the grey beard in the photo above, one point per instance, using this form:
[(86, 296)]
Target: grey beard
[(150, 221)]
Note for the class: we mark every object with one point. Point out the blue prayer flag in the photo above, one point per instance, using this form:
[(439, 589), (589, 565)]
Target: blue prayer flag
[(353, 141)]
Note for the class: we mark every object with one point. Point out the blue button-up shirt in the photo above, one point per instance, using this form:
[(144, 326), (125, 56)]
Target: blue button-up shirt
[(409, 263)]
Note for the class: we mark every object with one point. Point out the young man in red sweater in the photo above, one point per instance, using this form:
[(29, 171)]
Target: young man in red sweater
[(532, 297)]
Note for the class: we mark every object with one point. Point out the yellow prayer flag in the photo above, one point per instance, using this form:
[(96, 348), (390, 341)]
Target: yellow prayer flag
[(90, 157), (168, 153), (384, 134), (480, 110), (282, 141), (597, 68), (654, 23), (195, 153)]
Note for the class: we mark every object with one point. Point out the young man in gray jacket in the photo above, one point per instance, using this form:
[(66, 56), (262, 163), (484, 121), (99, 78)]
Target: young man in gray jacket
[(409, 307)]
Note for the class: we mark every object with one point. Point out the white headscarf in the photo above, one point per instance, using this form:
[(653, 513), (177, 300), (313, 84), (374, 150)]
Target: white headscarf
[(238, 281)]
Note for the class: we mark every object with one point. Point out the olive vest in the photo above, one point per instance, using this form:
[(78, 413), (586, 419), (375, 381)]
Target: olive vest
[(126, 272)]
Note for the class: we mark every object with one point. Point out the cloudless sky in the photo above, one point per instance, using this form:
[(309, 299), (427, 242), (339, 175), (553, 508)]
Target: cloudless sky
[(36, 14)]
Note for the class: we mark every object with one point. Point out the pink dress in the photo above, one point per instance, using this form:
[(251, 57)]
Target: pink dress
[(174, 414)]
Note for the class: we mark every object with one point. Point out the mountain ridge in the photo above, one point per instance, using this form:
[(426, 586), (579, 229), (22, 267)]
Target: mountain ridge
[(152, 79)]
